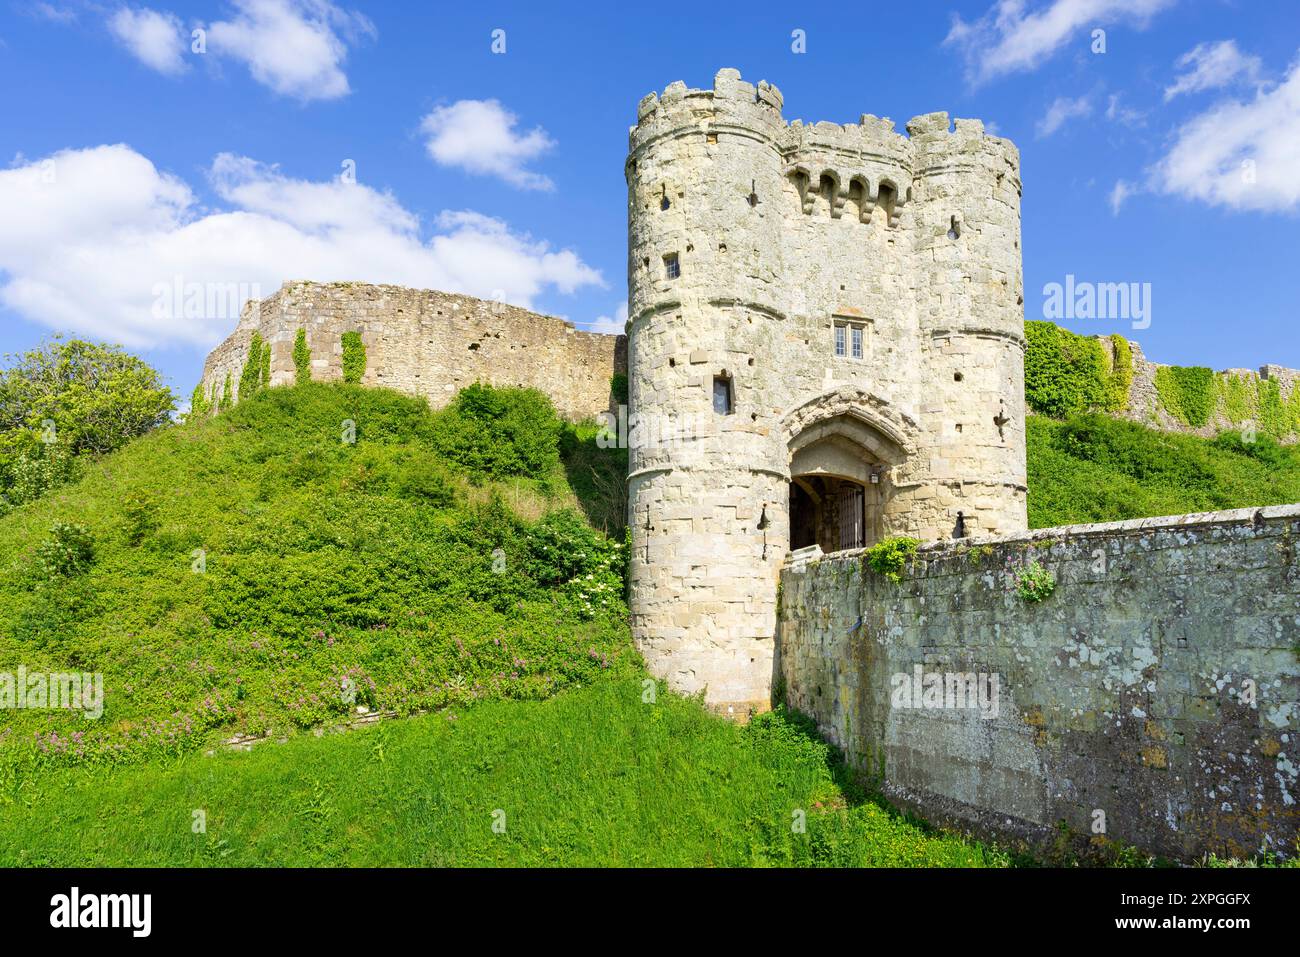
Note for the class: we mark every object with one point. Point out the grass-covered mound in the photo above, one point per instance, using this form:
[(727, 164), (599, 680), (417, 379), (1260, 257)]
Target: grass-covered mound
[(598, 777), (308, 552), (1093, 468)]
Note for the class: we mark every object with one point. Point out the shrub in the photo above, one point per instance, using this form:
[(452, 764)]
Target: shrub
[(890, 556), (301, 358), (500, 432), (139, 517), (422, 480), (354, 357), (1064, 373), (1034, 583), (69, 551)]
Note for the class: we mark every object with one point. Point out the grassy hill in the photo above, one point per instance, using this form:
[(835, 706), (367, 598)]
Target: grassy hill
[(255, 573), (324, 549)]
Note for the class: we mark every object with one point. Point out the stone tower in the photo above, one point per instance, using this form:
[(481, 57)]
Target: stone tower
[(826, 346)]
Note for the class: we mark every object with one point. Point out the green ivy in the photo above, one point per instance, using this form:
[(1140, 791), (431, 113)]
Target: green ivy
[(1121, 374), (264, 379), (890, 556), (354, 357), (226, 394), (1187, 392), (1237, 399), (301, 358), (250, 380)]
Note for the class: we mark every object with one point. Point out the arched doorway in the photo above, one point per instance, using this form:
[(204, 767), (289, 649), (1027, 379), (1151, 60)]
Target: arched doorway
[(845, 448)]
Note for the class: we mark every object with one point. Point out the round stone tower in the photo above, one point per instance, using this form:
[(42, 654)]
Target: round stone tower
[(813, 361)]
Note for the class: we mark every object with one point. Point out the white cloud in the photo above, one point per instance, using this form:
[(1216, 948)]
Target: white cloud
[(1240, 155), (292, 46), (1119, 194), (1209, 66), (155, 39), (614, 326), (1119, 113), (1010, 39), (479, 136), (1062, 110), (48, 11), (94, 241)]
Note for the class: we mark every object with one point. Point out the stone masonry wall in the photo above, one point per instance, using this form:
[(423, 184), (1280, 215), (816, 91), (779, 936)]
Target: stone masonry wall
[(425, 342), (1157, 685)]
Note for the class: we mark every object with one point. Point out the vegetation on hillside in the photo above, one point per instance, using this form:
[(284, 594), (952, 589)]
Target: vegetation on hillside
[(303, 554), (1093, 468)]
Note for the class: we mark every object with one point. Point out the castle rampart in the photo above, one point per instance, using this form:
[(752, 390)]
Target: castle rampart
[(424, 342)]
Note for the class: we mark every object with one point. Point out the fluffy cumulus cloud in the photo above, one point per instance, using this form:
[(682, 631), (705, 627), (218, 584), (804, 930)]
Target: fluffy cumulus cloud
[(1208, 66), (479, 136), (102, 243), (1239, 154), (1010, 37), (154, 38), (610, 325), (295, 47), (1062, 110)]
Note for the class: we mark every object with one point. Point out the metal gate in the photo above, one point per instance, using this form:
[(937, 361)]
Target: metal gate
[(851, 517)]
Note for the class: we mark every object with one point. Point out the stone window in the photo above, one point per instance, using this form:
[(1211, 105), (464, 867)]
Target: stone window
[(672, 266), (723, 399), (850, 340)]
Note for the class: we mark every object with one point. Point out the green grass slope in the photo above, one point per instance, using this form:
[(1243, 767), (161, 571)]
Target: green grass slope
[(255, 573), (1093, 468), (594, 777)]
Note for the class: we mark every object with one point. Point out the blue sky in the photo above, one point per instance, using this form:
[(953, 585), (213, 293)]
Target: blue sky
[(129, 163)]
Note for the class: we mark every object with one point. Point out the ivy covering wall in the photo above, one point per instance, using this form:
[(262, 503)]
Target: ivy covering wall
[(1068, 374), (354, 357)]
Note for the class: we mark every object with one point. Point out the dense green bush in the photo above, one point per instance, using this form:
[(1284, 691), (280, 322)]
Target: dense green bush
[(68, 400), (500, 432), (1067, 374), (1097, 469), (70, 550)]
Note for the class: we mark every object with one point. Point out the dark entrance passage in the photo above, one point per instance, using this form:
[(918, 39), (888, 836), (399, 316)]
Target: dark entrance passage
[(827, 511)]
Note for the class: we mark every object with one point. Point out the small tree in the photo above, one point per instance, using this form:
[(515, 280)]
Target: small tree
[(354, 357), (301, 358)]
